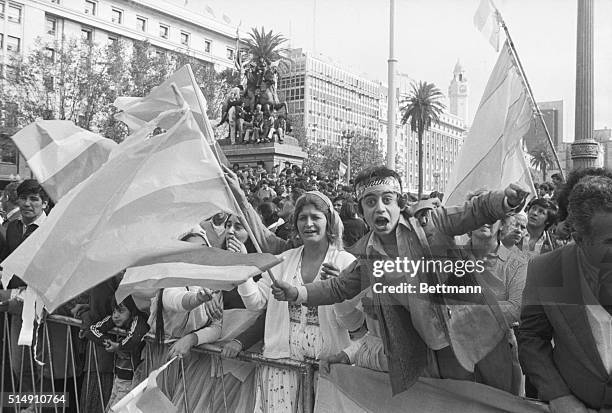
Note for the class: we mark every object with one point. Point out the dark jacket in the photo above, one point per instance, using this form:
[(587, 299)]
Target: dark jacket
[(405, 349), (554, 311), (130, 346)]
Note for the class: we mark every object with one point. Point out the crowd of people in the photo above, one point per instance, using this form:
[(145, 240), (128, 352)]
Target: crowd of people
[(539, 327)]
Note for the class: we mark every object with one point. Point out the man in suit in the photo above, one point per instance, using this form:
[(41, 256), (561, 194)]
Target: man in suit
[(32, 201), (568, 301), (420, 336)]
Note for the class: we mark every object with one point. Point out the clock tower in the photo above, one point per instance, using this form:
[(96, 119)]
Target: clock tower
[(458, 93)]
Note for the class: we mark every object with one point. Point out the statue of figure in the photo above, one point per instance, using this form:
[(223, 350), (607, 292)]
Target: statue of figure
[(233, 98)]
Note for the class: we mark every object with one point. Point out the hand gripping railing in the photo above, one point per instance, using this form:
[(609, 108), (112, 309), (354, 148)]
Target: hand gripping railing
[(71, 362)]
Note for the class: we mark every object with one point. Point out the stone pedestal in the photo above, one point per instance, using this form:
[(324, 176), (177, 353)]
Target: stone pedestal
[(271, 154)]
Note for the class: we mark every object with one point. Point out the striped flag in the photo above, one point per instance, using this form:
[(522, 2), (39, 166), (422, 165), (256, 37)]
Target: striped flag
[(60, 154), (492, 156), (152, 188), (486, 20), (135, 112), (206, 267)]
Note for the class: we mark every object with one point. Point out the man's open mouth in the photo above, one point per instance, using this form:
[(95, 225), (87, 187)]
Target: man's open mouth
[(381, 221)]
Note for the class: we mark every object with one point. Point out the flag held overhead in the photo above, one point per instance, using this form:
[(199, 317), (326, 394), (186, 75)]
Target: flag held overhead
[(61, 155), (153, 188), (487, 22)]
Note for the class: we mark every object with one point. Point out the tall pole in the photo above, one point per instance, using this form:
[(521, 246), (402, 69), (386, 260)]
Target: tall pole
[(392, 102), (348, 166), (585, 150)]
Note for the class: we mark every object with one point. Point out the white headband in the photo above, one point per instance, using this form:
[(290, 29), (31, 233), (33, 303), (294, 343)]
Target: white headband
[(388, 183)]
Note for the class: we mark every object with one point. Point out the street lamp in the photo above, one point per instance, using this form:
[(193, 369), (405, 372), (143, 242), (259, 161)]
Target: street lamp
[(436, 176), (348, 135)]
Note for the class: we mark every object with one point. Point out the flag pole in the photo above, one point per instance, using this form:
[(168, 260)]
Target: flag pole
[(529, 90)]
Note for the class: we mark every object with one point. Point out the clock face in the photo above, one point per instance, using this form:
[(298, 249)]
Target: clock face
[(462, 89)]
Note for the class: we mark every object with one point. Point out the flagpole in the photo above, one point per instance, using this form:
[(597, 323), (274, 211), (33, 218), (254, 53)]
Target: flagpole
[(529, 90)]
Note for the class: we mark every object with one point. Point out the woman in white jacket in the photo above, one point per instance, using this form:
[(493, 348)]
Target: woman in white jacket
[(296, 331)]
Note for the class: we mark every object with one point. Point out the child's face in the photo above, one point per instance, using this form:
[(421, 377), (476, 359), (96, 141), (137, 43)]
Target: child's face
[(121, 315)]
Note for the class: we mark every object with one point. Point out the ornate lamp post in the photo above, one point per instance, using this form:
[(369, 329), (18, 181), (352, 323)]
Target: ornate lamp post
[(348, 135), (436, 176)]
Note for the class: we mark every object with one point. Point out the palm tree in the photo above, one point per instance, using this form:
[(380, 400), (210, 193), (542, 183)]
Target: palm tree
[(266, 46), (422, 107), (541, 159)]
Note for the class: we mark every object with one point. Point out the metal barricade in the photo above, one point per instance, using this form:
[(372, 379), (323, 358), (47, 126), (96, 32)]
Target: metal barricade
[(43, 376)]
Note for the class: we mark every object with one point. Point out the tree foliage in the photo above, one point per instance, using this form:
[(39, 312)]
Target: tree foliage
[(77, 80), (364, 154), (542, 160), (266, 46), (422, 108)]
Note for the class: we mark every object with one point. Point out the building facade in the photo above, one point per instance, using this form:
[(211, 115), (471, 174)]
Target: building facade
[(171, 25), (327, 99), (166, 25), (552, 112)]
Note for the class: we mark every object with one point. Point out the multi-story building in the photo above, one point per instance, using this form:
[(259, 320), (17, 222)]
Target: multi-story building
[(327, 99), (167, 25), (552, 112), (170, 25), (441, 143)]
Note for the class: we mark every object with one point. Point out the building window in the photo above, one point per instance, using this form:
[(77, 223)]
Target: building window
[(113, 40), (185, 39), (14, 13), (2, 5), (49, 55), (207, 46), (230, 53), (13, 44), (51, 25), (90, 7), (86, 34), (117, 16), (141, 24), (163, 31), (55, 1), (1, 41)]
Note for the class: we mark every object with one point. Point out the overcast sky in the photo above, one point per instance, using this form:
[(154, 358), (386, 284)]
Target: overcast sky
[(433, 34)]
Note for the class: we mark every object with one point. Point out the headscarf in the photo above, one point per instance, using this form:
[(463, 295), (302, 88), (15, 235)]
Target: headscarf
[(335, 223)]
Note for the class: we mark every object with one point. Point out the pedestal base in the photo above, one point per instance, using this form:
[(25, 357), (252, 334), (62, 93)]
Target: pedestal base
[(272, 153), (586, 154)]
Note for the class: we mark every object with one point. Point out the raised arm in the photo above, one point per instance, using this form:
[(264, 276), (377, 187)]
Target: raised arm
[(484, 209), (255, 295)]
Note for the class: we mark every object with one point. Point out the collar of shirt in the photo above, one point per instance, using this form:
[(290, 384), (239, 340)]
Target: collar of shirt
[(38, 221), (375, 245)]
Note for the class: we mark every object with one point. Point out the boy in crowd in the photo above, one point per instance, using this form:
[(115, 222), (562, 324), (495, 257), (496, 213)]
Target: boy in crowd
[(127, 316)]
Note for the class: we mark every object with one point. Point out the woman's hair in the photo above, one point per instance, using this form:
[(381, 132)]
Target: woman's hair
[(334, 227), (349, 209), (268, 212)]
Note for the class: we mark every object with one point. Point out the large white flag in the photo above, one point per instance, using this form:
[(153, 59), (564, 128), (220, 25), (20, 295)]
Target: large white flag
[(486, 20), (135, 111), (491, 156), (60, 154), (153, 188)]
